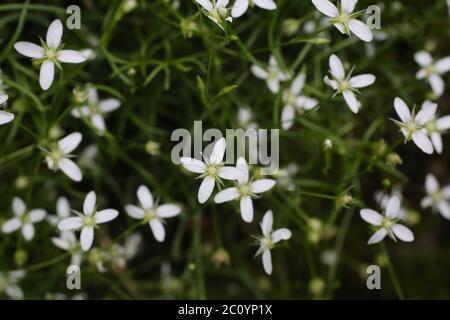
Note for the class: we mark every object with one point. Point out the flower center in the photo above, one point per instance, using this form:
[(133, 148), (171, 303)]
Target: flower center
[(290, 98), (267, 243), (431, 127), (429, 70), (344, 85), (89, 221), (272, 74), (50, 54), (212, 170), (56, 155), (150, 214), (93, 109), (387, 223), (244, 190), (25, 218), (436, 196)]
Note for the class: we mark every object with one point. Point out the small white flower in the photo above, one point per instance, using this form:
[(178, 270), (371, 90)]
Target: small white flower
[(88, 221), (285, 175), (437, 198), (95, 109), (120, 255), (268, 240), (5, 117), (216, 10), (245, 191), (49, 53), (67, 241), (432, 71), (8, 284), (435, 126), (212, 170), (387, 225), (241, 6), (151, 212), (412, 126), (245, 118), (294, 100), (58, 156), (62, 211), (343, 18), (23, 219), (273, 75), (347, 85)]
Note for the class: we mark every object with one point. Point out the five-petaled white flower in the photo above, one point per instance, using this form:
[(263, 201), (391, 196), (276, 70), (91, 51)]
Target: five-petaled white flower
[(68, 241), (50, 53), (88, 220), (273, 75), (245, 190), (151, 212), (62, 211), (8, 284), (293, 99), (95, 109), (435, 126), (216, 10), (268, 240), (347, 85), (437, 198), (23, 219), (59, 154), (241, 6), (343, 18), (211, 170), (5, 117), (413, 126), (432, 71), (387, 225)]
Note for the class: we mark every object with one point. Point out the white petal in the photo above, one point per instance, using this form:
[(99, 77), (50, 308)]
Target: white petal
[(158, 229), (298, 83), (28, 231), (446, 192), (145, 197), (37, 215), (336, 67), (243, 166), (444, 209), (351, 100), (348, 6), (426, 202), (423, 58), (206, 189), (230, 173), (218, 151), (92, 95), (109, 105), (378, 236), (437, 84), (281, 234), (70, 56), (18, 206), (69, 143), (421, 74), (361, 30), (443, 123), (431, 183), (72, 223), (168, 210), (267, 261), (61, 243), (71, 169), (105, 215), (98, 122), (239, 8), (326, 7), (402, 110), (226, 195), (193, 165), (29, 49), (306, 103), (54, 34), (262, 185), (206, 4), (11, 225), (266, 4), (273, 85), (402, 232), (361, 81), (62, 207), (259, 72), (46, 74), (287, 117), (426, 114), (6, 117), (422, 141), (87, 238), (371, 216), (3, 98), (442, 65), (89, 203), (332, 83), (135, 212), (267, 222), (246, 205), (393, 206), (436, 139)]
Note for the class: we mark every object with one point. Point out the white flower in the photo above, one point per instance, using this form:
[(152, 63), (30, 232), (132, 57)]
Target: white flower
[(8, 284), (284, 176), (273, 75), (412, 126), (5, 117), (23, 219), (49, 53), (62, 211), (241, 6), (293, 99), (387, 225), (435, 127), (120, 255), (216, 10), (268, 240), (343, 18), (67, 241), (88, 221), (58, 156), (95, 109), (211, 170), (347, 85), (437, 198), (152, 213), (245, 191), (245, 117), (432, 71)]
